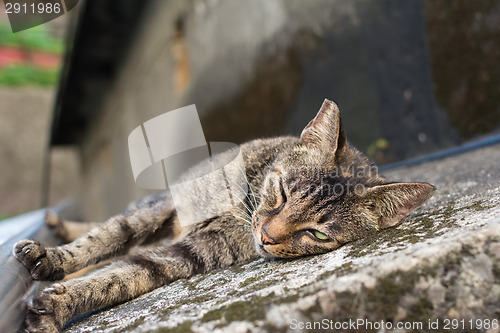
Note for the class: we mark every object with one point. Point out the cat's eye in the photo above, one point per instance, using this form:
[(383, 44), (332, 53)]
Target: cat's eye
[(280, 197), (320, 235), (275, 196)]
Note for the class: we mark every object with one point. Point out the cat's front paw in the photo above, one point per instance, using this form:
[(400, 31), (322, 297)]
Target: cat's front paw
[(56, 224), (37, 260), (41, 313)]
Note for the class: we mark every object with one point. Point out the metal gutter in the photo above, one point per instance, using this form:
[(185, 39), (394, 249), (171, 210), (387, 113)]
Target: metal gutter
[(495, 139), (16, 282)]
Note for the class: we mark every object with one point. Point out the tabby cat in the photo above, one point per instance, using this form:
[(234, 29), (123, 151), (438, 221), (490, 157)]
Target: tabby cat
[(309, 195)]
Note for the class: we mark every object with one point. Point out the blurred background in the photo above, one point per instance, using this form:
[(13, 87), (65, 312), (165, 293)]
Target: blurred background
[(411, 78), (30, 66)]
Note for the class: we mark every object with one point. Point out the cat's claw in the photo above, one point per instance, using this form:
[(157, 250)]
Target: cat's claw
[(37, 260), (41, 313)]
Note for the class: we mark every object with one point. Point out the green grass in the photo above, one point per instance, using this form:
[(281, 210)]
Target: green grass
[(19, 75), (35, 39)]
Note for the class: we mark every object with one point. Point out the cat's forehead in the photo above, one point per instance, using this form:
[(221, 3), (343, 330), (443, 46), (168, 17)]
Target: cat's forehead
[(300, 165), (308, 173), (300, 156)]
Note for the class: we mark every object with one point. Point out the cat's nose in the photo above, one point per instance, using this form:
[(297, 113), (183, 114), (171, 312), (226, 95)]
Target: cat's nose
[(266, 240)]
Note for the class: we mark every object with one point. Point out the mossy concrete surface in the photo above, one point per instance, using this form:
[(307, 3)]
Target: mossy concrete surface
[(437, 272)]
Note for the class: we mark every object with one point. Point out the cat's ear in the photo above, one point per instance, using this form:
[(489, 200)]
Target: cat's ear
[(392, 203), (325, 131)]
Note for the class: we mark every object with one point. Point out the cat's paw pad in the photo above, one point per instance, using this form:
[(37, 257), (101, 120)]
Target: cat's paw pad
[(40, 312), (52, 220), (36, 259), (56, 224)]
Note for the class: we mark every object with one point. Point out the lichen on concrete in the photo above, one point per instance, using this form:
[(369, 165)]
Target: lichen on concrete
[(443, 263)]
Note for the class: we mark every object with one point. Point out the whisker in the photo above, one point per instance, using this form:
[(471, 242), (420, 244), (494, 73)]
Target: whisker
[(236, 215), (251, 189), (246, 194), (244, 225), (240, 218), (243, 212), (244, 204)]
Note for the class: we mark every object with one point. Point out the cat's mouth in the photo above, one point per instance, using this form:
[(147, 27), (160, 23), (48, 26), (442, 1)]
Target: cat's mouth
[(261, 240), (266, 245), (260, 247), (261, 250)]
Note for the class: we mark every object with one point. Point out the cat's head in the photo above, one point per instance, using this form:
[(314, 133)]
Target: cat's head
[(323, 193)]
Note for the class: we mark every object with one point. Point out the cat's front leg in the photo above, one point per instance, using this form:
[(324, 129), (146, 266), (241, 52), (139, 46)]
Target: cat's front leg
[(119, 282), (42, 263), (68, 231), (215, 246), (112, 238), (48, 311), (45, 312)]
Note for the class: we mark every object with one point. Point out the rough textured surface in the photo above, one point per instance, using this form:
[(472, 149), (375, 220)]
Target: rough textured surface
[(441, 264)]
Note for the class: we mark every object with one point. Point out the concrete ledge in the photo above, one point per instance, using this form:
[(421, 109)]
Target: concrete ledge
[(441, 264)]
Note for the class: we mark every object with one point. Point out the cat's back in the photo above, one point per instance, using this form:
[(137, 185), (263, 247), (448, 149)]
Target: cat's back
[(256, 154)]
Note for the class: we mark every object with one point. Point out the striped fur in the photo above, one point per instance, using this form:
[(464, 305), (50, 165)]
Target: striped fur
[(308, 195)]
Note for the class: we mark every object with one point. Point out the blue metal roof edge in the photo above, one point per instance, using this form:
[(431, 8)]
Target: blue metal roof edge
[(443, 153)]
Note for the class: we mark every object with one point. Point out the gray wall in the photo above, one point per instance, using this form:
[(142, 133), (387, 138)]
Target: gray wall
[(262, 68)]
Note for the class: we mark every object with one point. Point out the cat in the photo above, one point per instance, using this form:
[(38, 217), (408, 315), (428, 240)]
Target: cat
[(308, 195)]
